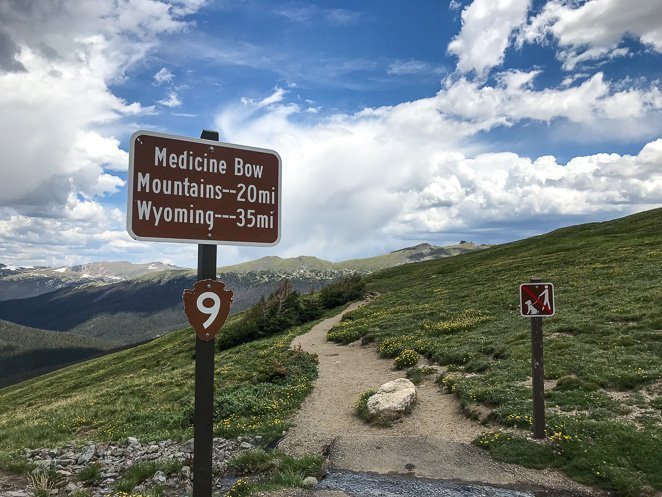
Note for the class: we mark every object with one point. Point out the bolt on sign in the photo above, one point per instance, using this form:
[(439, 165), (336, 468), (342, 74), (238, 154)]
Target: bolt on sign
[(536, 300), (191, 190)]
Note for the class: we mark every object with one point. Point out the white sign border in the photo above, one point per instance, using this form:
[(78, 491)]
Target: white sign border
[(129, 193), (537, 315)]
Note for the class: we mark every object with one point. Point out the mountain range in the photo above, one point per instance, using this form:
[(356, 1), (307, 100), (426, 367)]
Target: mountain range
[(23, 282), (108, 305)]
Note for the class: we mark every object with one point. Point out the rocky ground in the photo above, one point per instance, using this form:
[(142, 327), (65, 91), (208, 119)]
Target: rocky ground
[(97, 469)]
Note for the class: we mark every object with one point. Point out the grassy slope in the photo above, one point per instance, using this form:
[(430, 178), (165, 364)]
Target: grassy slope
[(605, 343), (27, 352), (462, 312), (147, 392)]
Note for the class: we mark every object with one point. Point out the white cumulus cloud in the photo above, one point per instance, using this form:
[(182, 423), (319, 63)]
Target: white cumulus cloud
[(595, 29), (487, 28), (59, 160), (368, 181), (171, 100), (163, 76)]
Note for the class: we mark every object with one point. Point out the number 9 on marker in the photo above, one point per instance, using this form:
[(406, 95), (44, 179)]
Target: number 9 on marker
[(207, 307)]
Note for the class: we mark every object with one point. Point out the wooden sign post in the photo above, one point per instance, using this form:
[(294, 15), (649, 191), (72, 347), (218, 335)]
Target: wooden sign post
[(536, 302)]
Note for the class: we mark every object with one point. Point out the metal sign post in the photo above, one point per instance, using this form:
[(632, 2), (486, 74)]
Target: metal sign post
[(536, 302), (202, 191), (203, 418)]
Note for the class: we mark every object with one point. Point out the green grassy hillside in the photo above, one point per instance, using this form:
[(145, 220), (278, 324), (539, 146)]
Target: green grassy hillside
[(602, 358), (28, 352), (603, 349), (147, 392)]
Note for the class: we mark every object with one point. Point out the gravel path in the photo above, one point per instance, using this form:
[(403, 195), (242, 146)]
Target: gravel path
[(432, 442), (12, 485), (346, 371)]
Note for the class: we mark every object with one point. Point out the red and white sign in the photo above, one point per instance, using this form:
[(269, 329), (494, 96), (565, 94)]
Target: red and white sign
[(192, 190), (536, 300)]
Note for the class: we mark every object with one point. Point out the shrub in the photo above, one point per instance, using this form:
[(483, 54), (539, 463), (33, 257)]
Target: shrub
[(240, 488), (275, 468), (361, 406), (281, 310), (41, 483), (390, 347), (343, 333), (344, 290), (285, 308), (252, 461), (567, 383), (90, 474), (416, 375), (141, 471), (406, 359)]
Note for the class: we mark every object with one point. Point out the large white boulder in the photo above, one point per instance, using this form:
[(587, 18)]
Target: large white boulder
[(393, 398)]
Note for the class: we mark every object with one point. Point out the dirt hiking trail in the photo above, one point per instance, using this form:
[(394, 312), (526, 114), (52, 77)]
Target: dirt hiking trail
[(433, 442)]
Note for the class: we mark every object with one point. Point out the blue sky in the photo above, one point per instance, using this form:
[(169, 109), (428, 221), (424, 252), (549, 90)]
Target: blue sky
[(398, 122)]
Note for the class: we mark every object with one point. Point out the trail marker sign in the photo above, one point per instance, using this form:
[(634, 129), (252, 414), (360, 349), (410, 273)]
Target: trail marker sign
[(190, 190), (536, 300), (207, 307)]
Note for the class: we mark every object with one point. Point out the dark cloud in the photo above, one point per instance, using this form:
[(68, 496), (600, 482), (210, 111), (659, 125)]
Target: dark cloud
[(8, 51)]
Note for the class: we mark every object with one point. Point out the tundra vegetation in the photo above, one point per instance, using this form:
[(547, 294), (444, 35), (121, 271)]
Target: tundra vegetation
[(602, 348), (147, 391), (602, 359)]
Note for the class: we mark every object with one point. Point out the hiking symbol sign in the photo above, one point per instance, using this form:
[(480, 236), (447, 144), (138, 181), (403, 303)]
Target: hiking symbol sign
[(536, 300)]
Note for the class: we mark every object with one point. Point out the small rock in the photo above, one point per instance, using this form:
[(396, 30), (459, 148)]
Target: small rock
[(186, 472), (87, 454), (309, 482), (17, 493), (132, 440), (71, 488), (246, 445), (189, 445), (159, 477)]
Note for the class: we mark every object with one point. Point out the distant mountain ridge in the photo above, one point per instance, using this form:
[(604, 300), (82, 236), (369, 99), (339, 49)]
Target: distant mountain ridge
[(25, 282), (417, 253), (117, 304)]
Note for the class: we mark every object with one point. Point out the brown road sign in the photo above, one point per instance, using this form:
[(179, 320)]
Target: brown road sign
[(200, 191), (536, 300), (207, 307)]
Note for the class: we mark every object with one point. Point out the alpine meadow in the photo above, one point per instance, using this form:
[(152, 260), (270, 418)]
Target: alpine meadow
[(603, 374)]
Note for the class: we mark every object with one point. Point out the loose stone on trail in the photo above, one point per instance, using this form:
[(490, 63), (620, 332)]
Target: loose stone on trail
[(393, 398)]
